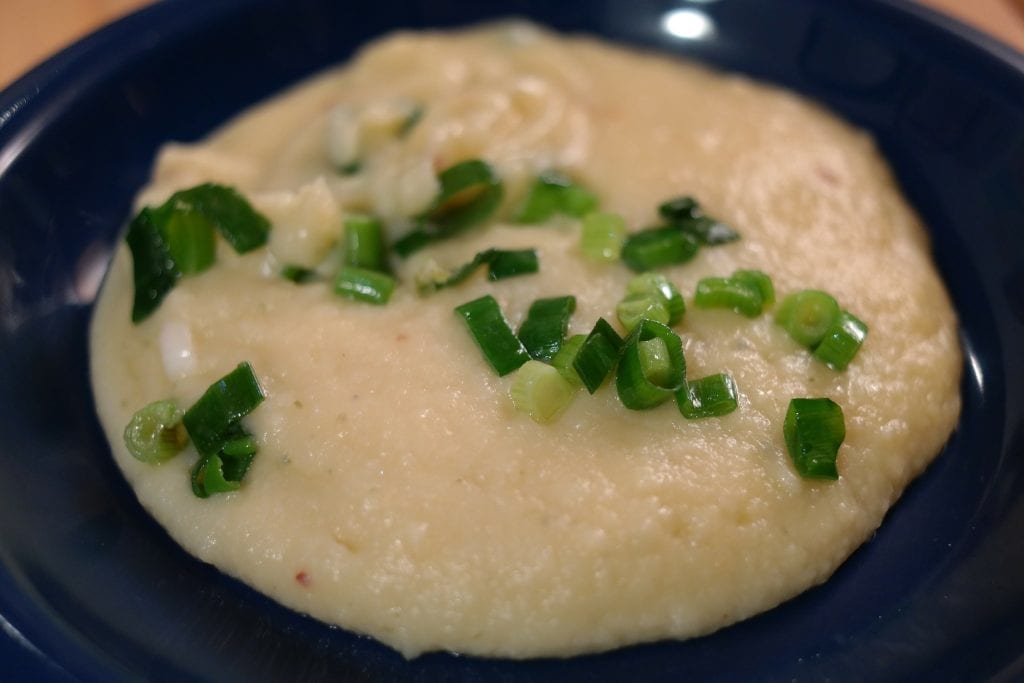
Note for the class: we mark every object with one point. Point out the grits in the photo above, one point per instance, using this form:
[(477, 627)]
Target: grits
[(396, 491)]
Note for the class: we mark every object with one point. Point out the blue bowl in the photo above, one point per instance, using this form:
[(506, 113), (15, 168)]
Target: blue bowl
[(92, 589)]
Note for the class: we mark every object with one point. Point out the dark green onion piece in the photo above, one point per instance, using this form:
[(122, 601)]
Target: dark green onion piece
[(364, 243), (298, 274), (602, 235), (191, 240), (814, 429), (807, 316), (154, 271), (208, 477), (657, 247), (708, 231), (413, 241), (597, 355), (470, 192), (241, 225), (711, 396), (655, 283), (351, 168), (489, 329), (554, 193), (361, 284), (649, 375), (841, 341), (641, 306), (546, 323), (727, 292), (541, 392), (562, 361), (410, 121), (680, 209), (502, 263), (213, 420), (155, 432)]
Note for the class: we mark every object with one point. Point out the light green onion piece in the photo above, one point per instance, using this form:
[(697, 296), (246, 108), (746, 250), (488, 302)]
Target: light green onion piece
[(814, 430), (361, 284), (759, 281), (656, 361), (364, 243), (602, 236), (636, 307), (554, 193), (842, 341), (711, 396), (191, 239), (807, 316), (155, 432), (727, 292), (540, 391), (563, 360), (208, 477), (655, 283)]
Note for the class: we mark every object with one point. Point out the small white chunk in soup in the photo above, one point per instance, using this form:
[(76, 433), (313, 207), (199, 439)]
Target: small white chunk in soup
[(396, 491)]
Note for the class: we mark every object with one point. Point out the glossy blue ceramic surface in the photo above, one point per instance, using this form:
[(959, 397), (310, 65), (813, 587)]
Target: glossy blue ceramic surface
[(92, 589)]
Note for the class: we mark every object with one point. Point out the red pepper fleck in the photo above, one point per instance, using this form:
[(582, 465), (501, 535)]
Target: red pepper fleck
[(303, 578), (401, 336)]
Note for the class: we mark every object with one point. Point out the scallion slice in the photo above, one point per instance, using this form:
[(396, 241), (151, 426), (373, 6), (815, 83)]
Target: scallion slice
[(597, 355), (154, 271), (361, 284), (711, 396), (650, 374), (208, 477), (546, 323), (563, 360), (554, 193), (155, 432), (503, 263), (680, 209), (657, 284), (807, 316), (241, 225), (489, 329), (687, 215), (470, 192), (759, 281), (540, 391), (191, 240), (602, 236), (728, 292), (814, 430), (298, 274), (364, 243), (657, 247), (641, 306), (842, 341), (212, 421)]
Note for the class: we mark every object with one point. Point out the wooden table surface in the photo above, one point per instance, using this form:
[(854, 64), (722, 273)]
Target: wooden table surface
[(30, 30)]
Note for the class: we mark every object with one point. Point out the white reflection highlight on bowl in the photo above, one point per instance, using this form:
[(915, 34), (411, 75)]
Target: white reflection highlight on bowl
[(688, 24)]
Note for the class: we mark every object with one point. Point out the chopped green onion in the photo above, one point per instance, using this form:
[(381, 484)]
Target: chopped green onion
[(602, 236), (240, 447), (807, 316), (680, 209), (728, 292), (656, 247), (657, 284), (208, 477), (361, 284), (191, 240), (470, 192), (154, 271), (489, 329), (212, 421), (241, 225), (814, 430), (554, 193), (410, 121), (597, 355), (540, 391), (562, 361), (155, 432), (364, 243), (413, 241), (501, 264), (641, 306), (759, 281), (351, 168), (298, 274), (710, 396), (650, 374), (842, 341), (546, 323)]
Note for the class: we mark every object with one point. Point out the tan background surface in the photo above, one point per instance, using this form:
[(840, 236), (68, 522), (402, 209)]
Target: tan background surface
[(30, 30)]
